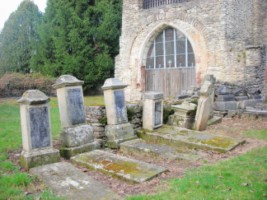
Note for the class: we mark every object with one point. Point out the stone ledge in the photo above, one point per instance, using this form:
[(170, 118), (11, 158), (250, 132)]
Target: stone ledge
[(41, 157), (68, 152)]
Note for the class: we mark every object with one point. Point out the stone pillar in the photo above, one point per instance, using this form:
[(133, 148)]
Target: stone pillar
[(76, 136), (118, 129), (205, 105), (152, 110), (36, 130)]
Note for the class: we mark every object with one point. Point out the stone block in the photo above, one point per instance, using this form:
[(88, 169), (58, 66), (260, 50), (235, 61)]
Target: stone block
[(241, 98), (249, 103), (119, 133), (228, 97), (68, 152), (225, 105), (76, 136), (40, 157)]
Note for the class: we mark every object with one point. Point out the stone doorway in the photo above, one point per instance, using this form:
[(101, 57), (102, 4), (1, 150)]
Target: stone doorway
[(170, 64)]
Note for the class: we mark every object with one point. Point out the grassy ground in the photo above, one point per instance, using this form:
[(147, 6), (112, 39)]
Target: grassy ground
[(15, 184), (244, 177)]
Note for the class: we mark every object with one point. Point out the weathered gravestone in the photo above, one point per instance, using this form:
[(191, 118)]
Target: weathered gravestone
[(76, 136), (152, 110), (205, 104), (184, 115), (36, 130), (118, 128)]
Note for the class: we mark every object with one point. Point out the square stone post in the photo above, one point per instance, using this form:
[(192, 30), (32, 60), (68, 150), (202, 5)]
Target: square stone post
[(76, 137), (36, 130), (153, 110), (118, 129)]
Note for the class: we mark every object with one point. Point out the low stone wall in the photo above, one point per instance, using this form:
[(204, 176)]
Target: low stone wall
[(96, 117)]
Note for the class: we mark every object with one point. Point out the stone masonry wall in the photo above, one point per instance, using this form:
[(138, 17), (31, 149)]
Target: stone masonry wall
[(220, 32), (96, 117)]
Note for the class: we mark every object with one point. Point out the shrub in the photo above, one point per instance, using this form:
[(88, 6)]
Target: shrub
[(15, 84)]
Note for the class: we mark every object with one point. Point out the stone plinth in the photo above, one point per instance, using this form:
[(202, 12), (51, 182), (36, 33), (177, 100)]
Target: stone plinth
[(77, 140), (36, 130), (152, 110), (118, 129), (184, 115), (75, 136), (70, 100)]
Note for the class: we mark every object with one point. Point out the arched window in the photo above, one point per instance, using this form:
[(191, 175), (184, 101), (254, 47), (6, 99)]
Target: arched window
[(170, 49)]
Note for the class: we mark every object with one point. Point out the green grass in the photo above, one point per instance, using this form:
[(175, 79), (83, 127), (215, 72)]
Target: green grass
[(259, 134), (244, 177)]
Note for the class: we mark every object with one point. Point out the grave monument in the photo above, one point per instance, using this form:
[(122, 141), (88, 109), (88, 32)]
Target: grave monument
[(36, 130), (76, 136), (205, 103), (118, 129), (152, 110)]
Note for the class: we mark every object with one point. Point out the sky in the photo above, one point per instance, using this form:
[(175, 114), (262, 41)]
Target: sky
[(9, 6)]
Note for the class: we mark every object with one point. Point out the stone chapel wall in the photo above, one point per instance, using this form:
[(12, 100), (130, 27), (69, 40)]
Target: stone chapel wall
[(219, 31)]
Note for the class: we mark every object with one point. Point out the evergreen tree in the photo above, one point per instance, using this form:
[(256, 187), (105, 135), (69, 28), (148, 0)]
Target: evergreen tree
[(79, 37), (18, 38)]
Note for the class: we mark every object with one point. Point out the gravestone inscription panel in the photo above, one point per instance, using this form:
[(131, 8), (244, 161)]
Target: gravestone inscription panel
[(158, 120), (121, 112), (75, 105), (40, 130)]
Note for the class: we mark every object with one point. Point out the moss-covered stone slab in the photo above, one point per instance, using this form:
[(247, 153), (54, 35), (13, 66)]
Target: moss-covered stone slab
[(140, 147), (66, 181), (176, 136), (122, 167)]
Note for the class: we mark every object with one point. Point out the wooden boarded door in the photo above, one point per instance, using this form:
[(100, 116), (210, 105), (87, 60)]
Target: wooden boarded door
[(171, 82)]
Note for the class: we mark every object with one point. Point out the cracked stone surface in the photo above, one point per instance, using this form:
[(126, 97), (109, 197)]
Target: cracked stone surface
[(122, 167), (67, 181), (181, 136), (139, 146)]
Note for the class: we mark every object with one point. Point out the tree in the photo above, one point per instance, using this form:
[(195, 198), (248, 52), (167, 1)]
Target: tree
[(79, 37), (18, 38)]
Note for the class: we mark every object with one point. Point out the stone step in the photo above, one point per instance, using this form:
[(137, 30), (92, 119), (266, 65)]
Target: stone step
[(119, 166), (140, 147), (66, 181), (181, 137)]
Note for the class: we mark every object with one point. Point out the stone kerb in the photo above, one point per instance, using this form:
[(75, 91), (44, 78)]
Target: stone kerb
[(118, 128), (152, 110), (36, 130), (76, 137)]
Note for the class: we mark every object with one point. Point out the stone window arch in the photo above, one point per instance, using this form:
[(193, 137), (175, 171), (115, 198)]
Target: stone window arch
[(170, 49)]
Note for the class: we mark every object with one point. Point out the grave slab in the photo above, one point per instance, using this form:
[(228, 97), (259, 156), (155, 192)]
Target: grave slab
[(122, 167), (176, 136), (140, 147), (68, 182)]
